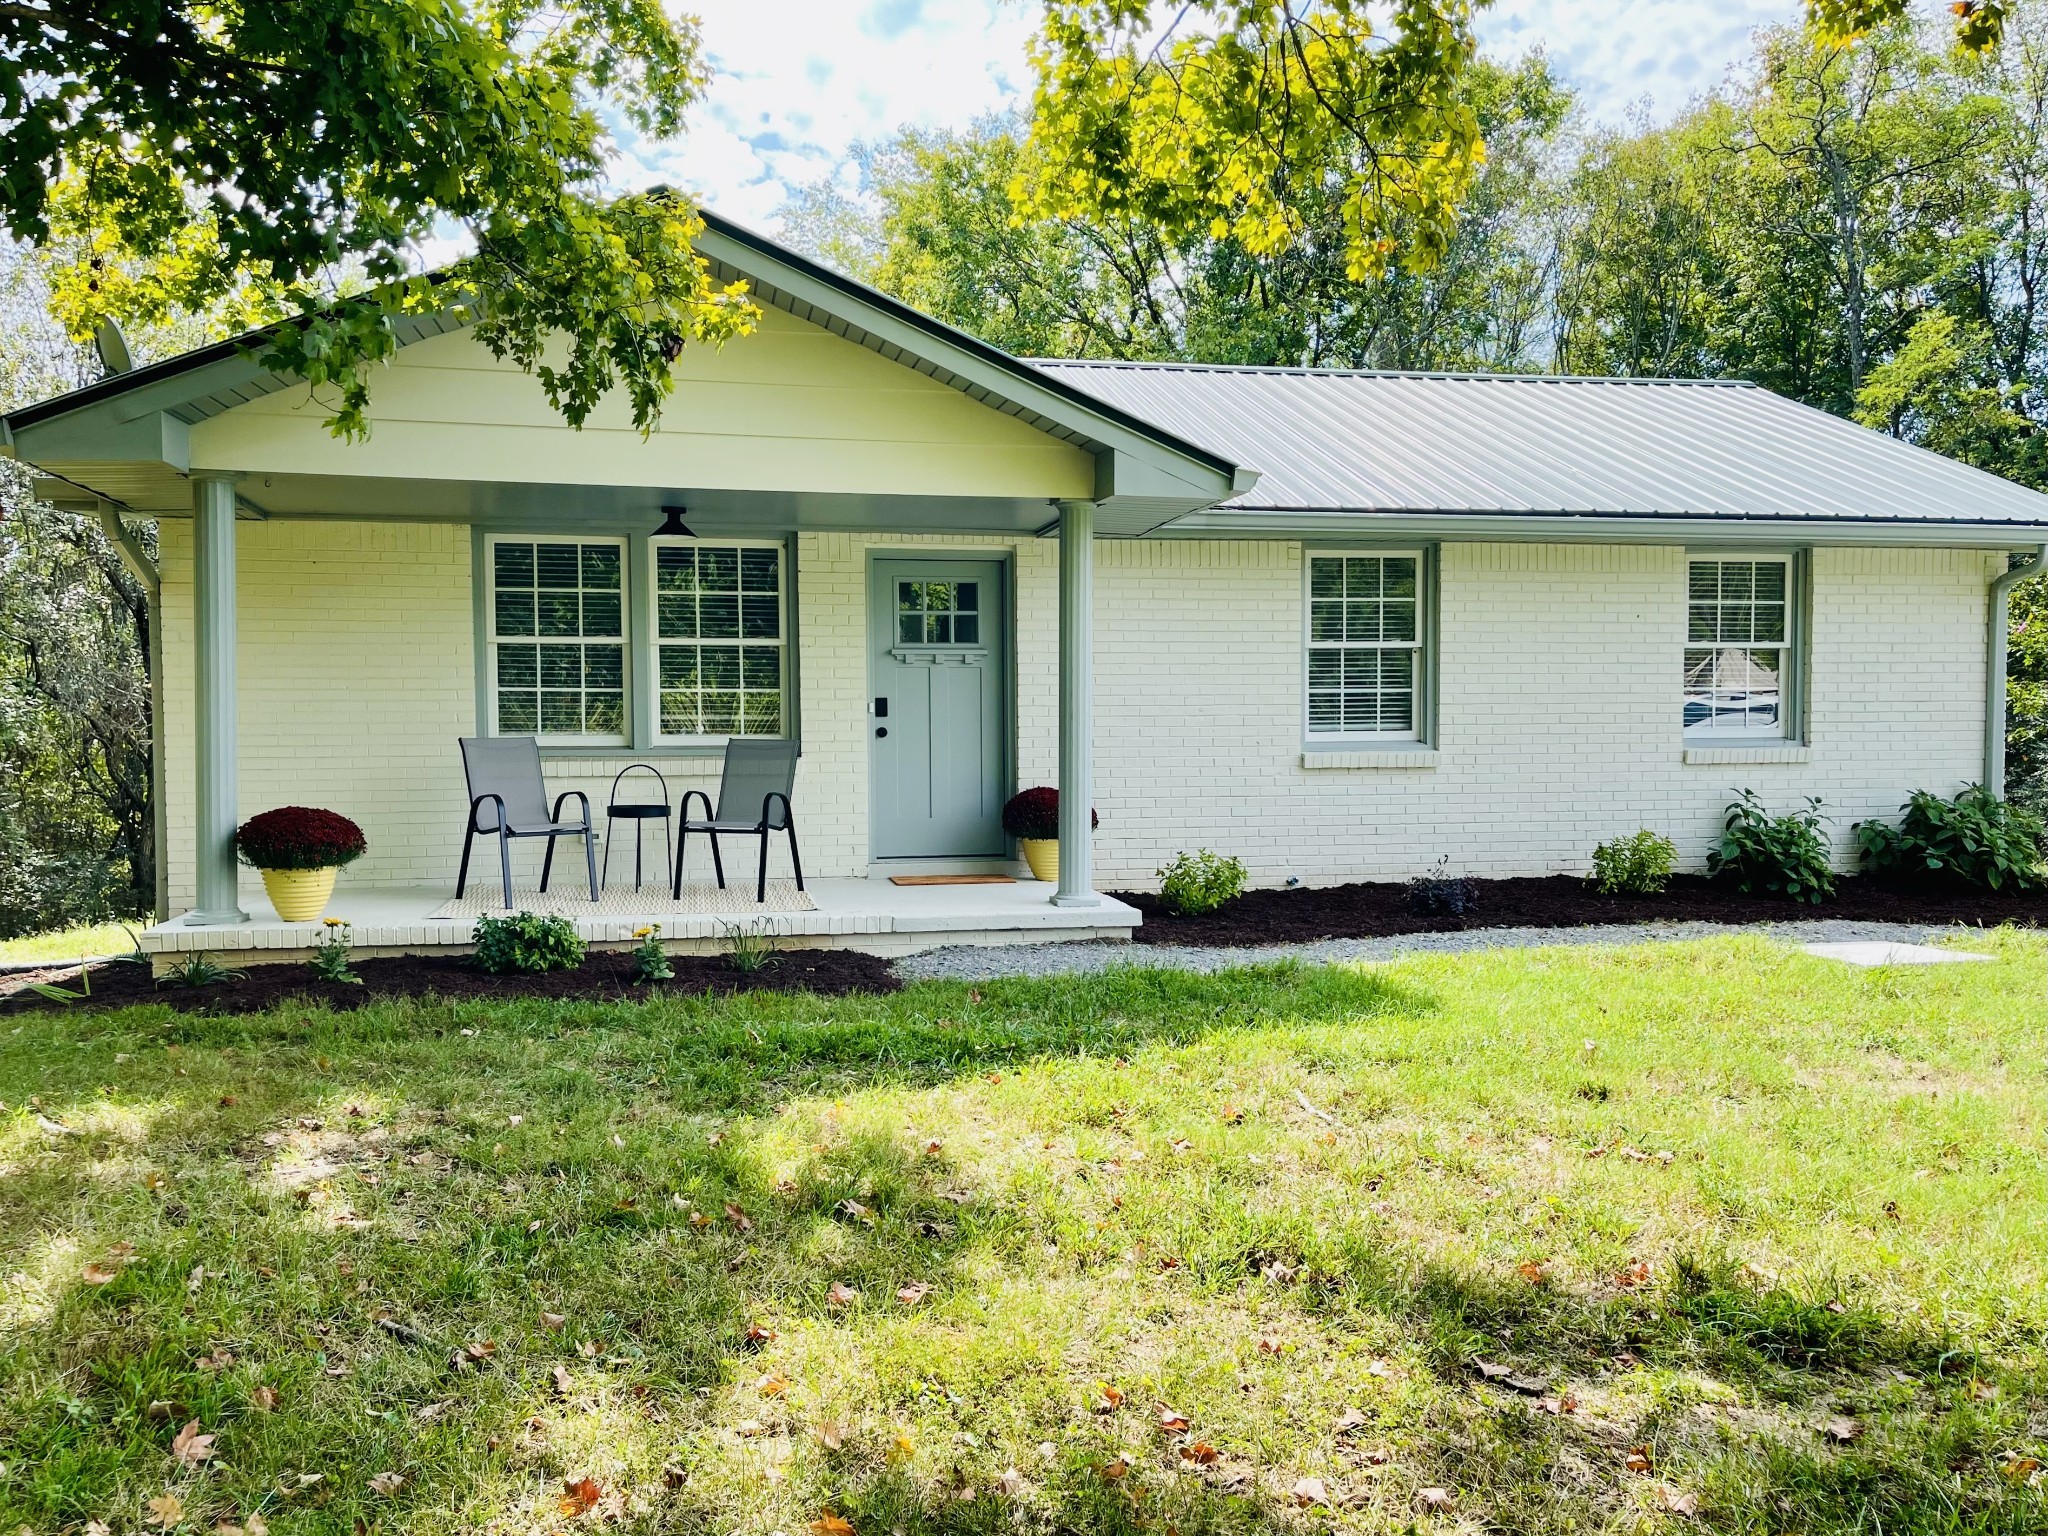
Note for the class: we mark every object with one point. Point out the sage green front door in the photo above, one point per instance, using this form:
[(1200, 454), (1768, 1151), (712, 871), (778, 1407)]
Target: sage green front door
[(938, 661)]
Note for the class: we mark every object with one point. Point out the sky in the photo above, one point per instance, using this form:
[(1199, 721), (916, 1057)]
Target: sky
[(792, 94)]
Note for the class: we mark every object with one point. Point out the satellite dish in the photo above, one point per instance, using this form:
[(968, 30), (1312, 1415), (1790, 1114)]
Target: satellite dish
[(112, 347)]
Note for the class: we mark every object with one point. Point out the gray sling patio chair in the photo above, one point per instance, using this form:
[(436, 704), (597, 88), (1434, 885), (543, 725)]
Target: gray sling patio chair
[(505, 784), (753, 800)]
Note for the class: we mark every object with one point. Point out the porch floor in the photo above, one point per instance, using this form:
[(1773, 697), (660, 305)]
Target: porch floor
[(864, 914)]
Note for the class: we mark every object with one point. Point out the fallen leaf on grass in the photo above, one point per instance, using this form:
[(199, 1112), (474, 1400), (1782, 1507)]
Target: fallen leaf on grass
[(1201, 1453), (738, 1217), (1490, 1371), (561, 1379), (387, 1484), (1113, 1470), (853, 1210), (772, 1385), (1310, 1490), (580, 1496), (1677, 1501), (1172, 1423), (98, 1528), (933, 1147), (1010, 1483), (553, 1321), (673, 1476), (841, 1295), (191, 1447), (833, 1435), (2016, 1466), (1272, 1344), (99, 1274), (1636, 1274), (1843, 1430), (1351, 1419), (1638, 1459), (913, 1293), (1108, 1398), (1533, 1272), (1436, 1498), (166, 1510), (1232, 1115), (1981, 1389), (830, 1524), (1558, 1405)]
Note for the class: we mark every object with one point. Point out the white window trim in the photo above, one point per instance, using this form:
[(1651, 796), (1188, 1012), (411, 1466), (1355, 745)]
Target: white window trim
[(651, 629), (1425, 603), (1791, 677), (491, 636)]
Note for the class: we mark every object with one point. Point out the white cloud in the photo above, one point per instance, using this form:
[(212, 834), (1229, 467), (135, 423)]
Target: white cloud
[(799, 84)]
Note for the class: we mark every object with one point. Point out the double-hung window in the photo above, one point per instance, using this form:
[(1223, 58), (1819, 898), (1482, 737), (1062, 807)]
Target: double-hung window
[(558, 638), (602, 642), (1366, 658), (1741, 626), (718, 639)]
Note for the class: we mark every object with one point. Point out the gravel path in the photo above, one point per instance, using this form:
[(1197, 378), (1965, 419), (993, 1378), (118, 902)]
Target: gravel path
[(979, 963)]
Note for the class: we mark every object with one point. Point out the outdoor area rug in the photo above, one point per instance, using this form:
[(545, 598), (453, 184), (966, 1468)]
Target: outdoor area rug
[(570, 900)]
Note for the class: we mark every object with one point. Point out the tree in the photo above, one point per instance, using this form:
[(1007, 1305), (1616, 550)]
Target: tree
[(286, 160)]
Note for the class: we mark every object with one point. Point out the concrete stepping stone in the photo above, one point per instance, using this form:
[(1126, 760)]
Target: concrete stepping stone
[(1868, 952)]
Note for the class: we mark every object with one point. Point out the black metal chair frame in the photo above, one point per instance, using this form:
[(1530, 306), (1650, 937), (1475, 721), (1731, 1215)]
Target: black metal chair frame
[(714, 828), (639, 813), (587, 831)]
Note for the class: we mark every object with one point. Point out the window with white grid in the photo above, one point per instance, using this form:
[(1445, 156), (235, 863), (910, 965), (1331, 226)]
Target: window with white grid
[(718, 639), (1738, 647), (558, 639), (1365, 646)]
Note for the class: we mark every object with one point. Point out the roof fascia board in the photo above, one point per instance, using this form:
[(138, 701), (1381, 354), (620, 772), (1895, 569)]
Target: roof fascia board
[(1210, 476), (108, 432), (1585, 528)]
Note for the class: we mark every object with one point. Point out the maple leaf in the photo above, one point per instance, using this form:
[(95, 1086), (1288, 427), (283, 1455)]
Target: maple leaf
[(841, 1295), (1272, 1344), (1677, 1501), (738, 1217), (1109, 1398), (189, 1446), (1201, 1453), (1309, 1490), (1533, 1272), (1636, 1274), (387, 1484), (580, 1496), (264, 1398), (1172, 1423), (913, 1293), (830, 1523), (933, 1147), (166, 1510), (1113, 1470)]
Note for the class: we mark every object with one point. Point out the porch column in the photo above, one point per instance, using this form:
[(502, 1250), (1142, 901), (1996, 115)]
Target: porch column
[(213, 671), (1077, 698)]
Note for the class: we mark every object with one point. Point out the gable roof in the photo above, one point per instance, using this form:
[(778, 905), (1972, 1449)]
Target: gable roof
[(1536, 446)]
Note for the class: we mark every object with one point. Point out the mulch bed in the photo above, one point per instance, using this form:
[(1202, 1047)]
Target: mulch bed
[(605, 976), (1382, 910)]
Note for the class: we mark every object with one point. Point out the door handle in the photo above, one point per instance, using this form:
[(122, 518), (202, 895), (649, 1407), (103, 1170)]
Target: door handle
[(881, 730)]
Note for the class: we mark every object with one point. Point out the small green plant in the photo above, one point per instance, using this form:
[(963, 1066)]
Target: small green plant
[(1787, 855), (650, 960), (202, 970), (748, 949), (1974, 839), (1200, 882), (330, 955), (526, 943), (1637, 865)]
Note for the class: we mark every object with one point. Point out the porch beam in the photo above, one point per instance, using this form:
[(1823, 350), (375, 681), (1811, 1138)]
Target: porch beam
[(1077, 702), (213, 623)]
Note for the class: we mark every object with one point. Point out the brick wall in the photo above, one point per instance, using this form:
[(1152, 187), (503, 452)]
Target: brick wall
[(1559, 686)]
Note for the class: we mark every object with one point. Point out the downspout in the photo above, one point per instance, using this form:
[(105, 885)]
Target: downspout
[(145, 570), (1994, 671)]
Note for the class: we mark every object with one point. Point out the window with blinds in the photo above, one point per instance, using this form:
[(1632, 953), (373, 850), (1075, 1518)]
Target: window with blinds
[(558, 638), (1365, 645), (719, 639), (1738, 647)]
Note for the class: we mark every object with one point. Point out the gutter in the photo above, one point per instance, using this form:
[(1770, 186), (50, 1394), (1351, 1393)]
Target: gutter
[(1994, 672), (132, 552)]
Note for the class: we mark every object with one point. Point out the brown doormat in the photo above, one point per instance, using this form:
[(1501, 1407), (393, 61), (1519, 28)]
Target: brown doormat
[(952, 879)]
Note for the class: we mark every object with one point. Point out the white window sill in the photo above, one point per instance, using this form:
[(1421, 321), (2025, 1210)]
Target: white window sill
[(1753, 752), (1408, 756)]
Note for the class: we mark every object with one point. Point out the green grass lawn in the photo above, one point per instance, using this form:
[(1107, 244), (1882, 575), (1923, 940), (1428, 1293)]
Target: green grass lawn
[(73, 943), (1760, 1239)]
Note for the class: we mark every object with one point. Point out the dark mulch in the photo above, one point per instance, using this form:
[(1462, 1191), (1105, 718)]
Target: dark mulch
[(1379, 910), (605, 976)]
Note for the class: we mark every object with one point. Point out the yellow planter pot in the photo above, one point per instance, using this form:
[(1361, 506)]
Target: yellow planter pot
[(1043, 855), (300, 895)]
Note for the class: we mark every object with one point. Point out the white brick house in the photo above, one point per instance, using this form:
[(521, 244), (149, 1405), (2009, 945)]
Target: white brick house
[(1340, 625)]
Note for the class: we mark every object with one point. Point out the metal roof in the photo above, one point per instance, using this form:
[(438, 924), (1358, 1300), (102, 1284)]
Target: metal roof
[(1327, 440)]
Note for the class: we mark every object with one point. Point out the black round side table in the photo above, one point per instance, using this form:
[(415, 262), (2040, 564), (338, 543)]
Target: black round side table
[(639, 812)]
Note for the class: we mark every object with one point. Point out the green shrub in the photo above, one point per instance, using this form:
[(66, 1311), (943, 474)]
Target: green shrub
[(1637, 865), (1786, 854), (1974, 839), (1200, 882), (528, 943)]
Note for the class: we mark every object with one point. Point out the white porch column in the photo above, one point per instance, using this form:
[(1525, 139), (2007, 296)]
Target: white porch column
[(213, 623), (1077, 700)]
